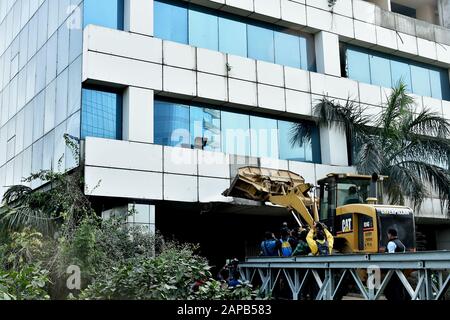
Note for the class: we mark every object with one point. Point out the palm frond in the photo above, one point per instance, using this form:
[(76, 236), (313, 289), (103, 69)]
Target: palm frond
[(17, 218), (16, 193), (436, 177), (301, 134), (370, 157), (425, 149), (403, 182), (398, 103), (428, 123), (332, 114)]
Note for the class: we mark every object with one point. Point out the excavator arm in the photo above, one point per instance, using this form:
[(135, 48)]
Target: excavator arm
[(280, 187)]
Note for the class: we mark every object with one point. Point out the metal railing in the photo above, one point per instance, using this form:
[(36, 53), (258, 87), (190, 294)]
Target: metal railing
[(423, 275)]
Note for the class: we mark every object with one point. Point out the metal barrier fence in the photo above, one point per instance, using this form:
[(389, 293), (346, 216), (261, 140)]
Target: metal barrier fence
[(423, 275)]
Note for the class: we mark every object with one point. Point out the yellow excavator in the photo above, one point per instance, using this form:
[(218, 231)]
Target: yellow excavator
[(348, 206)]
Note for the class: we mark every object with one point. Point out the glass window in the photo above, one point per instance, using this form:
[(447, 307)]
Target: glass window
[(28, 132), (105, 13), (195, 125), (20, 124), (211, 129), (401, 71), (61, 97), (47, 161), (38, 117), (420, 80), (205, 123), (52, 53), (74, 89), (436, 84), (260, 43), (289, 151), (101, 114), (172, 124), (73, 129), (41, 58), (358, 67), (387, 71), (307, 53), (445, 83), (203, 28), (59, 148), (232, 37), (380, 71), (235, 133), (50, 105), (440, 86), (171, 21), (287, 50), (37, 156), (264, 137)]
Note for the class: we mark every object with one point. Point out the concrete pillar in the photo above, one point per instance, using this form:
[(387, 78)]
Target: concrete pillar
[(137, 123), (383, 4), (426, 12), (138, 16), (444, 13), (333, 146), (327, 53)]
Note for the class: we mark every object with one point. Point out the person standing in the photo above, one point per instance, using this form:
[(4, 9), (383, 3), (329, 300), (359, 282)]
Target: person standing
[(394, 244), (320, 240), (271, 246), (394, 290)]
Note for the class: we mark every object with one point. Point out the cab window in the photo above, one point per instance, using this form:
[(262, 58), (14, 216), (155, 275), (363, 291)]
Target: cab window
[(352, 192)]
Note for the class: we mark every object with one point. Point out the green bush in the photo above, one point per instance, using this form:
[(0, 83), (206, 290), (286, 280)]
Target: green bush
[(176, 273), (28, 283), (22, 276)]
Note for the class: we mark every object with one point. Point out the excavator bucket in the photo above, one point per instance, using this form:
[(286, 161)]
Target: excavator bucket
[(281, 187), (259, 184)]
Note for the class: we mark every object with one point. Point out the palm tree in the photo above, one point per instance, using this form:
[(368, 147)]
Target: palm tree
[(413, 149)]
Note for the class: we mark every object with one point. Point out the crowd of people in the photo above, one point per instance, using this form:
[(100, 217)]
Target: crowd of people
[(298, 242)]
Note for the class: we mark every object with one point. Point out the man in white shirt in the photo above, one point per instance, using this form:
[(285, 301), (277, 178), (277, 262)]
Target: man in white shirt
[(394, 245)]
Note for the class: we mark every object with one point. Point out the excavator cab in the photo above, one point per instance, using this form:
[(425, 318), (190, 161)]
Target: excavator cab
[(337, 190), (350, 205)]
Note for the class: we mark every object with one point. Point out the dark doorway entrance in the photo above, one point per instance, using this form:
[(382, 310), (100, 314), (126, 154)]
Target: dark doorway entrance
[(223, 231)]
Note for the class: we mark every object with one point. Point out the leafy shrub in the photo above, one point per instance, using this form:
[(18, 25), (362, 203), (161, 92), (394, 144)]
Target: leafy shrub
[(176, 273), (22, 276), (27, 283)]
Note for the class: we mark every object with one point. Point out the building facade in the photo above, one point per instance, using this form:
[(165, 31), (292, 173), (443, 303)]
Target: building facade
[(170, 98)]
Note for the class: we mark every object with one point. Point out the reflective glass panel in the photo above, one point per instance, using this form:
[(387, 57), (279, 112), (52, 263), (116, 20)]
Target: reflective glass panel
[(105, 13), (171, 21), (287, 50), (232, 37), (235, 133), (203, 29), (264, 137), (172, 124), (358, 67), (260, 43), (380, 71), (401, 71), (211, 129), (101, 114), (420, 80), (288, 151)]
